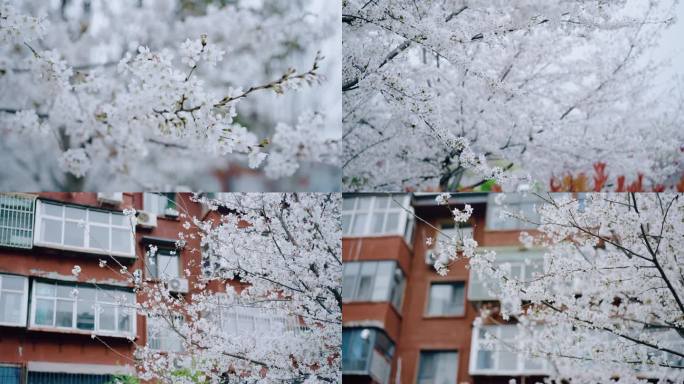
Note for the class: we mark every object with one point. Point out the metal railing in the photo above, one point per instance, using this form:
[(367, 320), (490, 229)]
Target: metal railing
[(16, 220)]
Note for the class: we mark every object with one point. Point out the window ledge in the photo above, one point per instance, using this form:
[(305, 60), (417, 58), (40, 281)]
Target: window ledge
[(13, 325), (79, 332), (90, 251)]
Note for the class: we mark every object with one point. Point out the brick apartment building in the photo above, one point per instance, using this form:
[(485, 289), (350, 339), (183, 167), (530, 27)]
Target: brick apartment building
[(47, 334), (404, 323)]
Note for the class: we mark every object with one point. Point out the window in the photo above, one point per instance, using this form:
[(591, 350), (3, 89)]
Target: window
[(524, 266), (162, 335), (516, 203), (13, 300), (160, 203), (438, 367), (367, 351), (501, 357), (83, 307), (234, 319), (16, 220), (446, 299), (165, 263), (83, 229), (376, 215), (373, 281)]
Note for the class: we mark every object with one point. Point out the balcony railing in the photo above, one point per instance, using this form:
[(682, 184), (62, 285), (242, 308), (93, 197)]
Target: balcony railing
[(16, 220)]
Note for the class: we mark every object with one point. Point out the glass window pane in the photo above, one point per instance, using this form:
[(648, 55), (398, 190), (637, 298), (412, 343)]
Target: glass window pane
[(508, 360), (107, 317), (74, 234), (75, 213), (363, 203), (383, 281), (121, 240), (392, 223), (168, 265), (351, 271), (438, 367), (485, 359), (377, 222), (360, 224), (64, 291), (98, 237), (51, 231), (381, 202), (13, 282), (124, 320), (119, 219), (44, 311), (439, 299), (348, 204), (11, 307), (85, 312), (98, 217), (65, 312), (446, 299), (346, 223), (44, 289), (51, 209), (366, 280)]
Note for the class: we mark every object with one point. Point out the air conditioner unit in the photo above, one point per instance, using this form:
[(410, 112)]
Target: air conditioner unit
[(113, 198), (178, 285), (429, 257), (147, 219)]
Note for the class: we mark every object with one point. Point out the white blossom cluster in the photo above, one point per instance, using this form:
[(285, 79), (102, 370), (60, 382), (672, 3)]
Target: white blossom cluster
[(438, 93), (608, 305), (149, 93), (285, 252)]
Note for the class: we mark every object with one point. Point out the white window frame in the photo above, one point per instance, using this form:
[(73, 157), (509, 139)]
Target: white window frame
[(511, 203), (20, 220), (165, 340), (99, 291), (404, 221), (393, 283), (155, 267), (24, 303), (514, 257), (427, 313), (233, 312), (157, 203), (447, 350), (86, 241), (495, 371)]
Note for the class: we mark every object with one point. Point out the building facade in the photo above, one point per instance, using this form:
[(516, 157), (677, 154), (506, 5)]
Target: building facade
[(403, 322), (67, 314)]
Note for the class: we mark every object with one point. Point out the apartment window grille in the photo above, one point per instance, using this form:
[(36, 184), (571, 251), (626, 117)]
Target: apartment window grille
[(83, 307), (162, 333), (438, 367), (377, 215), (13, 300), (446, 299), (83, 229), (67, 378), (160, 203), (16, 220), (10, 374), (523, 205), (373, 281), (500, 356), (237, 319)]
